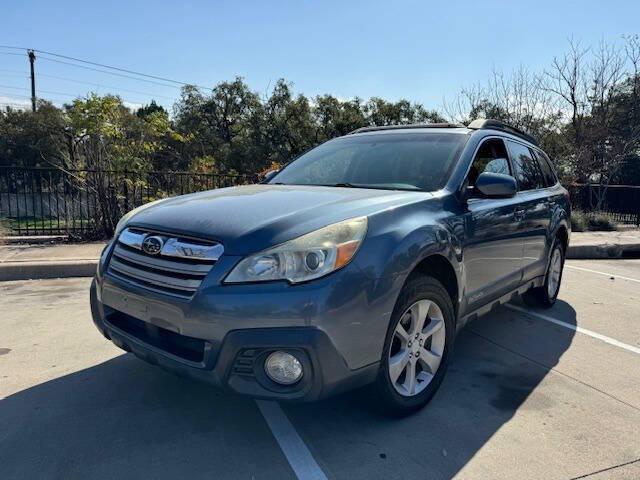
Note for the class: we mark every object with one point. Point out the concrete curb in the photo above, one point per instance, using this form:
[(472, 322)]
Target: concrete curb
[(33, 239), (35, 270), (603, 251), (41, 270)]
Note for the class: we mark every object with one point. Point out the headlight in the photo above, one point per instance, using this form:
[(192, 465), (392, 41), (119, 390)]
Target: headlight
[(304, 258)]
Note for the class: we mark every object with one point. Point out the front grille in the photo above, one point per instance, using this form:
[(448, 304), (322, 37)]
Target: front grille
[(175, 267)]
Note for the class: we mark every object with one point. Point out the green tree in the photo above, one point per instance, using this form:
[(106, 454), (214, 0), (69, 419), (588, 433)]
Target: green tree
[(34, 139), (288, 124), (335, 117), (225, 125), (150, 109)]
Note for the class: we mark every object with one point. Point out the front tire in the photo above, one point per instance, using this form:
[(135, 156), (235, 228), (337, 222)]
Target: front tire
[(418, 346), (546, 295)]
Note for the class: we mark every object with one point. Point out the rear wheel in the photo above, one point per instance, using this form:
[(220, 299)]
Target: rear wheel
[(546, 295), (417, 347)]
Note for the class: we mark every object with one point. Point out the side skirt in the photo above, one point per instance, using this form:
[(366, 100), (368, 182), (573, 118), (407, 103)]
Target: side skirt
[(512, 295)]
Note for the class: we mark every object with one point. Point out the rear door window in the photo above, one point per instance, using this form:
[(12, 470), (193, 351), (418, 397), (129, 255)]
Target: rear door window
[(526, 167)]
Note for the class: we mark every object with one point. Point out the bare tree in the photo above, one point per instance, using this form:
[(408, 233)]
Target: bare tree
[(589, 83), (519, 99), (568, 80), (632, 51)]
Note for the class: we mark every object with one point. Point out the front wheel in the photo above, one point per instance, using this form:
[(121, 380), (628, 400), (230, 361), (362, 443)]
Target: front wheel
[(418, 345), (546, 295)]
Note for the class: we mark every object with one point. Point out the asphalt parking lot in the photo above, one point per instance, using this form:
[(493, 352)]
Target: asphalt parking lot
[(531, 394)]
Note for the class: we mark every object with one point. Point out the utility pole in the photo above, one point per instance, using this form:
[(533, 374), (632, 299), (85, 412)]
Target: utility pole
[(32, 59)]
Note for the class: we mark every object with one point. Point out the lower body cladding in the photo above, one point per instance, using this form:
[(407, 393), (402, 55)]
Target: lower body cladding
[(236, 360)]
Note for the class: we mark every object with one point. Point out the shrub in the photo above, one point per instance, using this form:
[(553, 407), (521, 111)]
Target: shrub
[(601, 222), (579, 221), (592, 221), (4, 230)]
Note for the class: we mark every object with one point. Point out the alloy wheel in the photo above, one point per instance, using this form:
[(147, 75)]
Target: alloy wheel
[(555, 270), (417, 348)]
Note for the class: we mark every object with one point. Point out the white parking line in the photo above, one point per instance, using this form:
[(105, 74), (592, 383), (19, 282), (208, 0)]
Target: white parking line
[(604, 338), (297, 453), (603, 273)]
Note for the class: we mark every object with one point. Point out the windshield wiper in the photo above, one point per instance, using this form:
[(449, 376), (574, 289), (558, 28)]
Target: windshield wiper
[(410, 188), (373, 186), (347, 185)]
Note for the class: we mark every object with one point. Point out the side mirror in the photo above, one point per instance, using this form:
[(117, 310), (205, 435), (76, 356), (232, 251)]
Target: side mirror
[(269, 175), (496, 185)]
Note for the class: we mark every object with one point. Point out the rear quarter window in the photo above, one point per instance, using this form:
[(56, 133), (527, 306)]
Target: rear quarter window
[(548, 174)]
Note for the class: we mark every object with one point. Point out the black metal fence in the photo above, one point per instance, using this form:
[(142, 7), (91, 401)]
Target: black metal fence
[(621, 202), (89, 203)]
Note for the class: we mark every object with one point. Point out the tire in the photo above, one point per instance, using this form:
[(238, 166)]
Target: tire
[(421, 294), (546, 295)]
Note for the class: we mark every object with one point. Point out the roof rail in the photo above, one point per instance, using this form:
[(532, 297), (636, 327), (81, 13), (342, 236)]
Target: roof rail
[(414, 125), (481, 123)]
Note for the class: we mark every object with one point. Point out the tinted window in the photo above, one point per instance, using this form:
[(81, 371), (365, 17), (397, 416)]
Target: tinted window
[(411, 161), (491, 157), (545, 166), (526, 167)]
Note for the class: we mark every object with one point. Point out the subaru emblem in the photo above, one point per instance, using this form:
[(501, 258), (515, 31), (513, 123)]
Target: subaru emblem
[(152, 245)]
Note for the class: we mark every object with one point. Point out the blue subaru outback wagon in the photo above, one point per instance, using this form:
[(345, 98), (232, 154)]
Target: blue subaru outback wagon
[(357, 263)]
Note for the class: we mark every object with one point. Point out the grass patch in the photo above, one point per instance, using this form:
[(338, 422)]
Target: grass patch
[(33, 225)]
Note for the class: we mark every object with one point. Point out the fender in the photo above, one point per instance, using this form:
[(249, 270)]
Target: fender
[(405, 237)]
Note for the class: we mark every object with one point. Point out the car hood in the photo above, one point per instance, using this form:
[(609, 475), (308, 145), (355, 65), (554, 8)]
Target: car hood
[(251, 218)]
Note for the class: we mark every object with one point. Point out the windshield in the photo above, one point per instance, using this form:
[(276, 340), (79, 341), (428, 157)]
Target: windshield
[(398, 161)]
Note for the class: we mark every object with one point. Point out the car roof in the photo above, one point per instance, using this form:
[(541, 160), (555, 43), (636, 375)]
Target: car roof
[(409, 129), (485, 125)]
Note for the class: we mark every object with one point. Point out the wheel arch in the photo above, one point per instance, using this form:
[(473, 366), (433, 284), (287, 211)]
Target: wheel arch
[(440, 268)]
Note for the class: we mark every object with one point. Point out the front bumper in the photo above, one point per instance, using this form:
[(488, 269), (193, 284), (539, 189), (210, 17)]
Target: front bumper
[(233, 361)]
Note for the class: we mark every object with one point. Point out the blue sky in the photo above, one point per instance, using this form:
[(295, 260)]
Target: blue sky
[(420, 50)]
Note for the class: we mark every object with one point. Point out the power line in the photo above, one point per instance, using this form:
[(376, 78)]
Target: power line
[(4, 75), (13, 87), (56, 93), (107, 72), (119, 69), (111, 67), (100, 85), (10, 95), (14, 95), (55, 99), (43, 91), (89, 65), (14, 71)]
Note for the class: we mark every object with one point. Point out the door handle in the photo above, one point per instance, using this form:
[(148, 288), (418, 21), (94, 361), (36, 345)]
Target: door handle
[(518, 214)]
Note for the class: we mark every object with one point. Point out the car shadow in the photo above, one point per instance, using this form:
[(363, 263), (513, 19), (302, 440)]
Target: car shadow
[(498, 362), (126, 419), (123, 418)]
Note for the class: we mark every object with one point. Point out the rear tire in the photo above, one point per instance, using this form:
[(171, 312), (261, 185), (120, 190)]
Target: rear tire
[(546, 295), (420, 336)]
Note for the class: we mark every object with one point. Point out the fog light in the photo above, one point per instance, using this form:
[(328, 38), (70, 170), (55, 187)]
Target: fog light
[(283, 368)]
